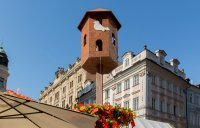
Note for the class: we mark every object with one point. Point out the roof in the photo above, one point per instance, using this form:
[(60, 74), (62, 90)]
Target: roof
[(144, 123), (12, 93), (98, 11)]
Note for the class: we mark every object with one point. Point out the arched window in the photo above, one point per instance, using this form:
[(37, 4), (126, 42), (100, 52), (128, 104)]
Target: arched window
[(127, 62), (113, 39), (85, 40), (99, 45)]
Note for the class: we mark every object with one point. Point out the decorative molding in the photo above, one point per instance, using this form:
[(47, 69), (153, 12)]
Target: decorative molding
[(126, 95), (113, 88), (135, 92), (142, 73), (118, 99)]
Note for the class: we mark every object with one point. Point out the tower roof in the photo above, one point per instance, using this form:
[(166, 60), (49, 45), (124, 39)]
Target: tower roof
[(98, 11)]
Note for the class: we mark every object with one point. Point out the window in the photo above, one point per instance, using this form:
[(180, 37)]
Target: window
[(192, 119), (180, 91), (175, 110), (79, 78), (63, 104), (85, 40), (70, 100), (162, 85), (153, 79), (127, 62), (71, 84), (161, 106), (153, 103), (57, 96), (168, 87), (126, 104), (107, 93), (119, 88), (168, 108), (126, 84), (113, 39), (191, 98), (135, 103), (64, 89), (136, 80), (99, 45), (198, 100), (50, 101), (79, 93), (198, 121), (100, 20), (1, 82), (175, 89)]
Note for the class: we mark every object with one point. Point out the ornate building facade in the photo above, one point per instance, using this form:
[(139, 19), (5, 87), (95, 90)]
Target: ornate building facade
[(65, 88), (193, 106), (149, 85)]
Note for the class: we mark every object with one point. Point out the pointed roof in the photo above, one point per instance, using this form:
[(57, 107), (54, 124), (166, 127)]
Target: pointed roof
[(99, 11)]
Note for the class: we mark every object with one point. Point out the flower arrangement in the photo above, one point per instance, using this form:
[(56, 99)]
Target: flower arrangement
[(108, 116)]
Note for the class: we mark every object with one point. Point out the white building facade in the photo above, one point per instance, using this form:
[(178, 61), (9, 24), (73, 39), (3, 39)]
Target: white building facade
[(65, 88), (150, 86)]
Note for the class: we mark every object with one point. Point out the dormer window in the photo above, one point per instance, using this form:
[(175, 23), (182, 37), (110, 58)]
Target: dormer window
[(126, 62)]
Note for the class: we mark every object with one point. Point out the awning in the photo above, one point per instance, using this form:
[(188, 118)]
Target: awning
[(20, 113), (144, 123)]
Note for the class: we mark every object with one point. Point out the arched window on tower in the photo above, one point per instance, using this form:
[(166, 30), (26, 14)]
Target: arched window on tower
[(99, 45), (113, 39), (85, 40)]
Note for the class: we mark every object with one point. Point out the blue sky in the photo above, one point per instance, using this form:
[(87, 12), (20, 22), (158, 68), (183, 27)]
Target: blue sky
[(41, 35)]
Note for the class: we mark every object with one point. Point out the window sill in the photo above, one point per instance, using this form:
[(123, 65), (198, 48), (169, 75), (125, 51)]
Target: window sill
[(126, 89), (135, 85), (107, 98), (118, 92)]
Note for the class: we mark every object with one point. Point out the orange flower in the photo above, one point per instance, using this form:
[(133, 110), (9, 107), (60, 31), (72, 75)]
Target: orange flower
[(94, 111), (82, 108)]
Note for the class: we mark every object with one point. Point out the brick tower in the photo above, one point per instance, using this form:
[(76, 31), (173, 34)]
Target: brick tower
[(99, 45)]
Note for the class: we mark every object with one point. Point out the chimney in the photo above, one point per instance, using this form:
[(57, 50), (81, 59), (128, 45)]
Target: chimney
[(175, 63), (161, 54)]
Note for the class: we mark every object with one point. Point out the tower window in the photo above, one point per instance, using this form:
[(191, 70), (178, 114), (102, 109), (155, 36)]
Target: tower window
[(100, 20), (85, 40), (99, 45), (113, 39)]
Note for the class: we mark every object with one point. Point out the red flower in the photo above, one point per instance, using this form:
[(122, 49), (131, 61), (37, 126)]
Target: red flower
[(115, 125), (133, 124)]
